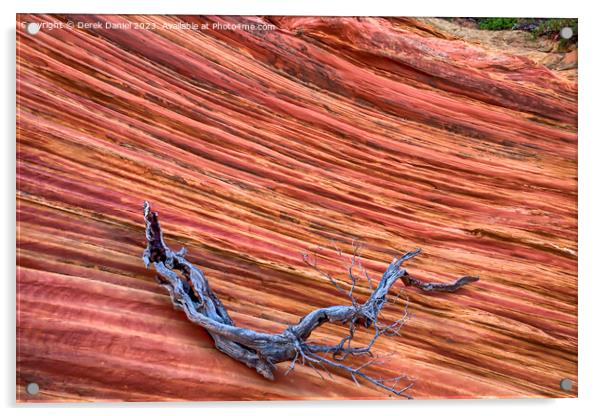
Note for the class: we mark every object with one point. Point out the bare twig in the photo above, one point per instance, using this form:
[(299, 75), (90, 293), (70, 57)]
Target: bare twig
[(190, 292)]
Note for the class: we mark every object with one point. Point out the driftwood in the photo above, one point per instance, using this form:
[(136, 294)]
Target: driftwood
[(190, 292)]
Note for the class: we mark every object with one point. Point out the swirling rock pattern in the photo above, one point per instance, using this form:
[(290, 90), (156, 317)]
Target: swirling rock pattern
[(257, 145)]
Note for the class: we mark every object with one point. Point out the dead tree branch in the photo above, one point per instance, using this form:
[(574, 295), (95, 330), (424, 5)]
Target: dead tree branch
[(190, 292)]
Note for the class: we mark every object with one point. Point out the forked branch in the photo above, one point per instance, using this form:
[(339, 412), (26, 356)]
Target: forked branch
[(190, 292)]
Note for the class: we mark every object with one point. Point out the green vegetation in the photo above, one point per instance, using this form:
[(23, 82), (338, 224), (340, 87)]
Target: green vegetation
[(548, 26), (497, 23), (536, 26), (552, 27)]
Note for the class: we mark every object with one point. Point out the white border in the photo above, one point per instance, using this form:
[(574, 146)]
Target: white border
[(590, 207), (518, 8)]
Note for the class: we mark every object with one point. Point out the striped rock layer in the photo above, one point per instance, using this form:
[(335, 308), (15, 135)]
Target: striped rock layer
[(258, 145)]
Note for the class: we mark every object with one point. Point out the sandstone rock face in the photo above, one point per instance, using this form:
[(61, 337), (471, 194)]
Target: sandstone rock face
[(256, 146), (540, 49)]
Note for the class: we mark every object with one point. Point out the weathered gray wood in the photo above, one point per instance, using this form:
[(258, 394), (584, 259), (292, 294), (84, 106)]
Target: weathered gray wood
[(190, 292)]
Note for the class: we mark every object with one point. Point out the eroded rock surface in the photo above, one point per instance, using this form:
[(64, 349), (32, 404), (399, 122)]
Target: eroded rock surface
[(256, 146)]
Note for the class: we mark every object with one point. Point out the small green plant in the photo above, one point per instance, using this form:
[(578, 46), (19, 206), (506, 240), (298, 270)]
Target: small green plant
[(552, 28), (497, 23)]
